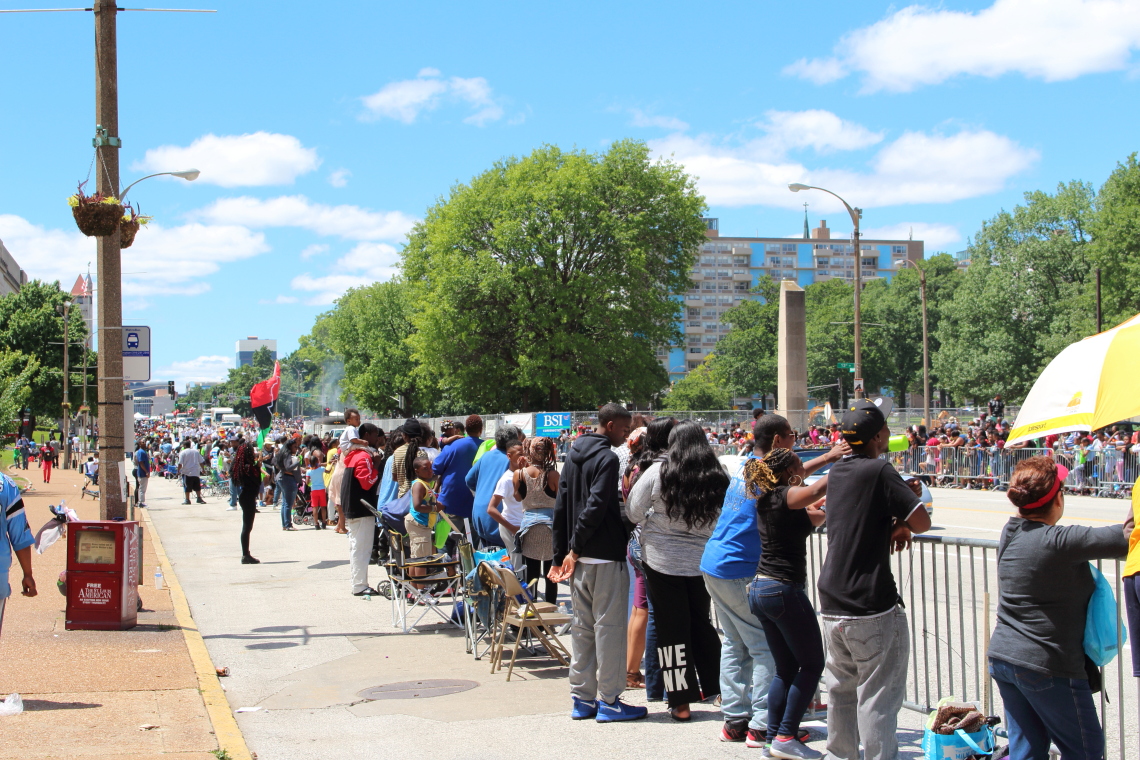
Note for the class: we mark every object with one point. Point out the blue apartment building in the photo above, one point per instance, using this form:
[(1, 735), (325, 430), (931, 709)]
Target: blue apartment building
[(729, 267)]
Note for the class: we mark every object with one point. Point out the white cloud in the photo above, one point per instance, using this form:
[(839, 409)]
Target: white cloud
[(1052, 40), (163, 261), (350, 222), (820, 130), (364, 264), (936, 237), (316, 249), (261, 158), (642, 119), (915, 168), (339, 178), (405, 100), (203, 369), (279, 300)]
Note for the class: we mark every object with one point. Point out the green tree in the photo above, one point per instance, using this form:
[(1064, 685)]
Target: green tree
[(1025, 296), (16, 374), (746, 356), (369, 330), (31, 324), (699, 390), (1116, 242), (895, 309), (550, 276)]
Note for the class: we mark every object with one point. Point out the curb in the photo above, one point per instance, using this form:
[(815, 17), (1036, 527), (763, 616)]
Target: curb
[(226, 729)]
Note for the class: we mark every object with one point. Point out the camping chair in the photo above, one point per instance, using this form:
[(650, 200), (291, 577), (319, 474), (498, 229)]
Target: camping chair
[(423, 592), (536, 618)]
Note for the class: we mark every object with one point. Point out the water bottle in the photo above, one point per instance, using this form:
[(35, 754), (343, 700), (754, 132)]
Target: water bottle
[(158, 578)]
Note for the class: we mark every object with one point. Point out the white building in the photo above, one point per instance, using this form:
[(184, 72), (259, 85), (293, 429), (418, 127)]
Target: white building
[(246, 349)]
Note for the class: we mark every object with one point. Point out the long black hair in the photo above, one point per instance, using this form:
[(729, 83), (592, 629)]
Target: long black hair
[(693, 482), (655, 443)]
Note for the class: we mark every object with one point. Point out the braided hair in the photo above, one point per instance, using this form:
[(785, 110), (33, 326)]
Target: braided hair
[(244, 464), (761, 476), (539, 452)]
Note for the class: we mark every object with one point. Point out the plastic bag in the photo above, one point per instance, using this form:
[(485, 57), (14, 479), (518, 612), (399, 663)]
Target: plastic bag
[(1102, 624), (959, 745), (13, 705)]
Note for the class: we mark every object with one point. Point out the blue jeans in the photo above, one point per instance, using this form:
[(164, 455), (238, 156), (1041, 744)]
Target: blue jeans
[(287, 490), (789, 622), (654, 682), (235, 491), (1040, 708), (746, 663)]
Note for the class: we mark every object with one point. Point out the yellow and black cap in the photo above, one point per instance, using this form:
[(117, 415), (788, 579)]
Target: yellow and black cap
[(862, 422)]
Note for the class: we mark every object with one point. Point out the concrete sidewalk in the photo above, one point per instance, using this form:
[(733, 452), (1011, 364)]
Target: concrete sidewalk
[(301, 649), (87, 693)]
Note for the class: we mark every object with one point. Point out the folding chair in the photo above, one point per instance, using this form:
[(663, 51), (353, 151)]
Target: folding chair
[(529, 616), (425, 592)]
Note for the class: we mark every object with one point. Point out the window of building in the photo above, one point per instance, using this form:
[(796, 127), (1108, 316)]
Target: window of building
[(898, 249), (741, 287), (724, 286), (694, 323), (741, 261), (708, 259), (695, 350), (788, 247), (694, 365), (711, 325), (723, 274), (708, 286), (694, 312), (723, 260), (710, 313), (710, 339)]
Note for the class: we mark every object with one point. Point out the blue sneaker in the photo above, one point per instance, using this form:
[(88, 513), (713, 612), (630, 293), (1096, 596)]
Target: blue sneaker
[(583, 710), (618, 711)]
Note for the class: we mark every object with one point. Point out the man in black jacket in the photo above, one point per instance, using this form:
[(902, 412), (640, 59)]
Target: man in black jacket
[(590, 545)]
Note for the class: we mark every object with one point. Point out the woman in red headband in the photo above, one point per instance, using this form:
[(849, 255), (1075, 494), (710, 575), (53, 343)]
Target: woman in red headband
[(1036, 653)]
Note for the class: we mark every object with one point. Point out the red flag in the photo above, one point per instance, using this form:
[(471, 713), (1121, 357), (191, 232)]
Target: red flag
[(263, 395)]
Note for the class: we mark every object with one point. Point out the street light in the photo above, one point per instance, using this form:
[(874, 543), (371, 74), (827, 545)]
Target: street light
[(65, 310), (187, 174), (856, 215), (902, 263)]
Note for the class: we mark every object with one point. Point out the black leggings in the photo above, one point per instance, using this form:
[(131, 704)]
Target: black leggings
[(536, 568), (679, 605), (248, 501)]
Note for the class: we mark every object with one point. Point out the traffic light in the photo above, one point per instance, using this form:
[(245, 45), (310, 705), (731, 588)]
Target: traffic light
[(170, 389), (326, 411)]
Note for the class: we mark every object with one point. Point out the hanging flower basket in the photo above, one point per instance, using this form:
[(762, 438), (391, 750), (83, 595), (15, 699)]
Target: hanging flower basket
[(95, 215), (129, 226)]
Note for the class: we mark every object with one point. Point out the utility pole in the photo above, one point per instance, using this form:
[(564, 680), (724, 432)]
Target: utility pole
[(112, 503), (1099, 323), (925, 351), (66, 401), (855, 216)]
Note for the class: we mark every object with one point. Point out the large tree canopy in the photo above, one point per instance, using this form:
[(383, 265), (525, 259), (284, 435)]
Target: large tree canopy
[(1025, 296), (745, 358), (31, 325), (548, 279), (1116, 242)]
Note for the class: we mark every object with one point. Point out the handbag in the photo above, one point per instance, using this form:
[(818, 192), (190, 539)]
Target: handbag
[(1104, 632), (958, 745)]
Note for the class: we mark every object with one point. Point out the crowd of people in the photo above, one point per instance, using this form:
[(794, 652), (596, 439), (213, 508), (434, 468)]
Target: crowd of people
[(644, 505)]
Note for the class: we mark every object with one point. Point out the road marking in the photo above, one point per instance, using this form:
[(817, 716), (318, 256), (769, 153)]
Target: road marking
[(226, 729)]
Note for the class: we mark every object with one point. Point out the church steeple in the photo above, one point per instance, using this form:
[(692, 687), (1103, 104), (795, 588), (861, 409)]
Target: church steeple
[(807, 235)]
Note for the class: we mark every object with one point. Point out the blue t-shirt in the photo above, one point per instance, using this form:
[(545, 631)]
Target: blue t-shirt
[(452, 465), (142, 459), (14, 530), (482, 479), (317, 479), (733, 549)]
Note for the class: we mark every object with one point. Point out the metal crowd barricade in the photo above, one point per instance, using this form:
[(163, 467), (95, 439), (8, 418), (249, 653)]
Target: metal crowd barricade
[(950, 591), (1108, 473)]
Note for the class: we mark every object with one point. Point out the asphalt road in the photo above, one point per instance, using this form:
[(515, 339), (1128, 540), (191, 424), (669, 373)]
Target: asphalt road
[(981, 514)]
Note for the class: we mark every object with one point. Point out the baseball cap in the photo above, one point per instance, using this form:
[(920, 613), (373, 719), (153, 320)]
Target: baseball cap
[(862, 422)]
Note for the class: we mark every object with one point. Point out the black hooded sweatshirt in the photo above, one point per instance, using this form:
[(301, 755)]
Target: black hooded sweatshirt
[(587, 519)]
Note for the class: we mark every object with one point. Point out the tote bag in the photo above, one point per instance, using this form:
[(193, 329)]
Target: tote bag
[(958, 745), (1102, 624)]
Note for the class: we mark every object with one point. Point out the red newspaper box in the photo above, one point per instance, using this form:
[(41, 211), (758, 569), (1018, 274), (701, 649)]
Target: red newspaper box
[(102, 575)]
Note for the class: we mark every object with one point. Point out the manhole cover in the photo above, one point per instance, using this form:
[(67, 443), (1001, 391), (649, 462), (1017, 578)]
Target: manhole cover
[(436, 687)]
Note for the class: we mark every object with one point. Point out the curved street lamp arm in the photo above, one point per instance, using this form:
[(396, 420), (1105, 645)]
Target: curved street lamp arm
[(854, 215), (123, 194)]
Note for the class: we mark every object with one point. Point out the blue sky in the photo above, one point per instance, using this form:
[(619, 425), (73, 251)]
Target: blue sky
[(323, 131)]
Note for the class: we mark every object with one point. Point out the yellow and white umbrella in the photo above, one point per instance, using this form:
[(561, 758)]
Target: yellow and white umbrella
[(1092, 383)]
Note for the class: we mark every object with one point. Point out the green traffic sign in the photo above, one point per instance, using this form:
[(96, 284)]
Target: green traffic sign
[(303, 395), (845, 365)]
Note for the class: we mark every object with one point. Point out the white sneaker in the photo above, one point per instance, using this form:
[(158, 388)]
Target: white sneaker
[(791, 749), (231, 509)]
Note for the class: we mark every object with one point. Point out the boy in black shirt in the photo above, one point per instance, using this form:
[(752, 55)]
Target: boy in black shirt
[(870, 510)]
